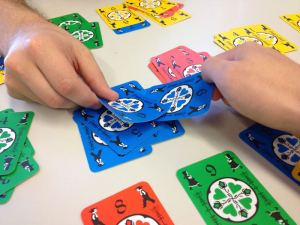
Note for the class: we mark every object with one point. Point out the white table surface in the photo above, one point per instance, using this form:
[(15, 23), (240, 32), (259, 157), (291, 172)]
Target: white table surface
[(65, 185)]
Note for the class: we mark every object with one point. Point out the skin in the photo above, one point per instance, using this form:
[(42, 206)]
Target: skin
[(45, 64), (260, 83)]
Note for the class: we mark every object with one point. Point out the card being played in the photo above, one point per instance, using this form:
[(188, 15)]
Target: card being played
[(224, 191), (135, 205), (278, 147), (184, 98)]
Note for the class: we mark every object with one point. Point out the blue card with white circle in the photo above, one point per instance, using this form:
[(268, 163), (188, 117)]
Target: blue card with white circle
[(278, 147)]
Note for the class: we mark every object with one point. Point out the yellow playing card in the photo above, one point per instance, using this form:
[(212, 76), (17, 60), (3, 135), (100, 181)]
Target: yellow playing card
[(293, 20), (119, 16), (154, 7), (177, 17), (1, 76), (271, 37), (221, 44), (296, 171)]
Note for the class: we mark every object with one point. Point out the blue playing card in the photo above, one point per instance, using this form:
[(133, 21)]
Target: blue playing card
[(121, 136), (172, 129), (134, 27), (1, 63), (99, 155), (188, 97), (278, 147), (132, 105)]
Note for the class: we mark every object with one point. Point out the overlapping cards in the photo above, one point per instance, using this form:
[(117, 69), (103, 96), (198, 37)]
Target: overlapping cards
[(177, 63), (278, 147), (135, 205), (259, 33), (1, 69), (224, 191), (87, 33), (293, 20), (16, 151)]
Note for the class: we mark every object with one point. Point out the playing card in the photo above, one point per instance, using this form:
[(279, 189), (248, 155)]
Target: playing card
[(133, 27), (25, 169), (204, 55), (278, 147), (1, 69), (135, 205), (68, 20), (154, 7), (172, 129), (99, 155), (5, 197), (160, 62), (186, 65), (156, 72), (176, 18), (224, 191), (271, 37), (293, 20), (132, 106), (87, 33), (119, 16), (13, 131), (296, 171), (121, 136), (184, 98)]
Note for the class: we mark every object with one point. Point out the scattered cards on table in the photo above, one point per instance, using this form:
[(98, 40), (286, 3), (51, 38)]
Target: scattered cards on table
[(224, 191), (293, 20), (16, 151), (259, 33), (135, 205), (278, 147), (87, 33), (1, 69)]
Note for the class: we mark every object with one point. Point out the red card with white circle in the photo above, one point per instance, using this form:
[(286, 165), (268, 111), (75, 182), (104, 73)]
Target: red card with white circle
[(136, 205)]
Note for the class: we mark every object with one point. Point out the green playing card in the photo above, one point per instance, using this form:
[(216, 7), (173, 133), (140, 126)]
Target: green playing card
[(7, 111), (68, 20), (28, 149), (25, 169), (224, 191), (88, 33), (13, 131)]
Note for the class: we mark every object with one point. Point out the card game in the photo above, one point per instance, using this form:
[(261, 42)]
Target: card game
[(136, 131)]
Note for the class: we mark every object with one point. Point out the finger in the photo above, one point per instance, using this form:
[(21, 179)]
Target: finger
[(18, 96), (225, 101), (92, 75), (216, 95), (61, 75)]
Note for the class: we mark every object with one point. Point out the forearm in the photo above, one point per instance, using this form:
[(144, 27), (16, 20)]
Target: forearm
[(14, 16)]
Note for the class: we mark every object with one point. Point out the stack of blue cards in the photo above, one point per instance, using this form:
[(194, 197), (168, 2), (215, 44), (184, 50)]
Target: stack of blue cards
[(126, 129)]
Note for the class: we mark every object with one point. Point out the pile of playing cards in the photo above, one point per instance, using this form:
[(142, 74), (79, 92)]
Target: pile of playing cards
[(278, 147), (164, 13), (224, 191), (135, 205), (1, 69), (126, 128), (293, 20), (259, 33), (16, 151), (177, 63), (87, 33)]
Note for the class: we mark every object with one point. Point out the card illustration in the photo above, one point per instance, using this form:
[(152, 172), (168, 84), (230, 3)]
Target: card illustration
[(278, 147), (155, 7), (224, 191), (135, 205), (68, 20)]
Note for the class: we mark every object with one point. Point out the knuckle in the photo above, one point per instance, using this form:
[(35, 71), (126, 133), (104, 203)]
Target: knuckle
[(56, 102), (36, 43), (12, 63), (65, 86)]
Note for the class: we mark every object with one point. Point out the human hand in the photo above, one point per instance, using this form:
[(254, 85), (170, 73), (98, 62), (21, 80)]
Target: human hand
[(259, 83), (45, 64)]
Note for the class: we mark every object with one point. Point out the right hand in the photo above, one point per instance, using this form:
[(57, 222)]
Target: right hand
[(45, 64)]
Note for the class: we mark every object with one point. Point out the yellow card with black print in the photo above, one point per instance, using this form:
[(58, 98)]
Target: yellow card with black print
[(293, 20), (1, 69), (154, 7), (119, 16), (271, 37), (177, 17)]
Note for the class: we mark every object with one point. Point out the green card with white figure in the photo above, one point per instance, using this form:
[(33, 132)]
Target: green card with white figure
[(224, 191)]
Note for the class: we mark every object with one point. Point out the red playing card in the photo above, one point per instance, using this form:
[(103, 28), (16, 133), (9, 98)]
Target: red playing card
[(156, 72), (204, 55), (160, 62), (136, 205)]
